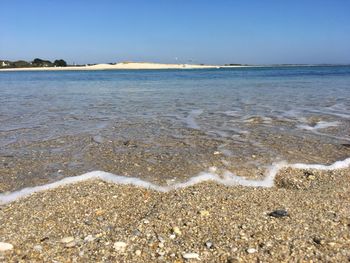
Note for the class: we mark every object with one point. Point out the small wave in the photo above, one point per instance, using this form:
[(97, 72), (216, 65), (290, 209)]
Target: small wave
[(227, 178), (191, 119)]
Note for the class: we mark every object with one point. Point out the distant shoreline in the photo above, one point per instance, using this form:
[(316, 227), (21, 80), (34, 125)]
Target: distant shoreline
[(155, 66), (122, 65)]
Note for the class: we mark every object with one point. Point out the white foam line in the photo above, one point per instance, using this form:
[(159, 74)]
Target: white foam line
[(228, 179)]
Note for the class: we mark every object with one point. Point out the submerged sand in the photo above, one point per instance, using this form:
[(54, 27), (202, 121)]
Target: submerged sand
[(94, 221)]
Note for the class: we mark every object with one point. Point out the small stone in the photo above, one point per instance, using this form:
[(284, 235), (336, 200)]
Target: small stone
[(209, 244), (172, 236), (332, 244), (176, 230), (161, 239), (138, 252), (190, 256), (66, 240), (71, 244), (213, 169), (5, 246), (89, 238), (204, 213), (161, 245), (216, 152), (119, 246), (251, 250), (99, 212), (278, 213), (98, 139), (38, 248), (136, 232), (146, 221)]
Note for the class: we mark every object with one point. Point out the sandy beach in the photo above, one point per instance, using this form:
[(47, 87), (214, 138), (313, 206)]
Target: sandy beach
[(121, 65), (103, 222)]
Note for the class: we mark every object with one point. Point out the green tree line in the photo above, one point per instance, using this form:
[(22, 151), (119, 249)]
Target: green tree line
[(37, 62)]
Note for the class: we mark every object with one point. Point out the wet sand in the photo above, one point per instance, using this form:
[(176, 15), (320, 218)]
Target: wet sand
[(95, 221), (165, 159)]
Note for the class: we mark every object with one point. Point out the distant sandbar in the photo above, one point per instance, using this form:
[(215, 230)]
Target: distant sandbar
[(122, 65)]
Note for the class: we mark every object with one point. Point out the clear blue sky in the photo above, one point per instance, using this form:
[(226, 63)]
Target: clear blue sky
[(205, 31)]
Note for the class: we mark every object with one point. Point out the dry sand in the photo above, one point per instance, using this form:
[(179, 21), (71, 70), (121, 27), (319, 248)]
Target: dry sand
[(95, 221), (121, 65)]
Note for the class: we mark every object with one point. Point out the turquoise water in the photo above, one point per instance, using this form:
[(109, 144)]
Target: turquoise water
[(259, 115)]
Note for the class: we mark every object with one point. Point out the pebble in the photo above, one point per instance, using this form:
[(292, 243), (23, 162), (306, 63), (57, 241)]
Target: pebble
[(89, 238), (190, 256), (71, 244), (209, 244), (38, 248), (176, 230), (138, 252), (161, 239), (278, 213), (66, 240), (5, 246), (204, 213), (98, 139), (251, 250), (119, 246)]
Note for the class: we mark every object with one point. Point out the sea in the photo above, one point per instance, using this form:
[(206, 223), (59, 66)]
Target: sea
[(169, 128)]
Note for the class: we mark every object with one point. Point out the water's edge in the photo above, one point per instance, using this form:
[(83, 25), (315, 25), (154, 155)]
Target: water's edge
[(227, 179)]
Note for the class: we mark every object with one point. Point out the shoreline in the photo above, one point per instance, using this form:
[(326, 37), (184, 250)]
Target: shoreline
[(157, 66), (120, 66), (226, 179)]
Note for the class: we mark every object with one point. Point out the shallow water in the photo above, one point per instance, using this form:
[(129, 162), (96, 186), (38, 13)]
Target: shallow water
[(241, 120)]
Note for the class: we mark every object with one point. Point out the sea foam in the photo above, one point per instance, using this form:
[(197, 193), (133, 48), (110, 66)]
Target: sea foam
[(227, 178), (319, 125)]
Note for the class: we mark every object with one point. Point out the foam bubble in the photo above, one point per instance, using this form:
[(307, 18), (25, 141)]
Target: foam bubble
[(319, 125), (227, 178)]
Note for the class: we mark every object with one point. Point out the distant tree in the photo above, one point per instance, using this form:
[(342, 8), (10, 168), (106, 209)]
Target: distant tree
[(37, 62), (60, 63), (20, 64)]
